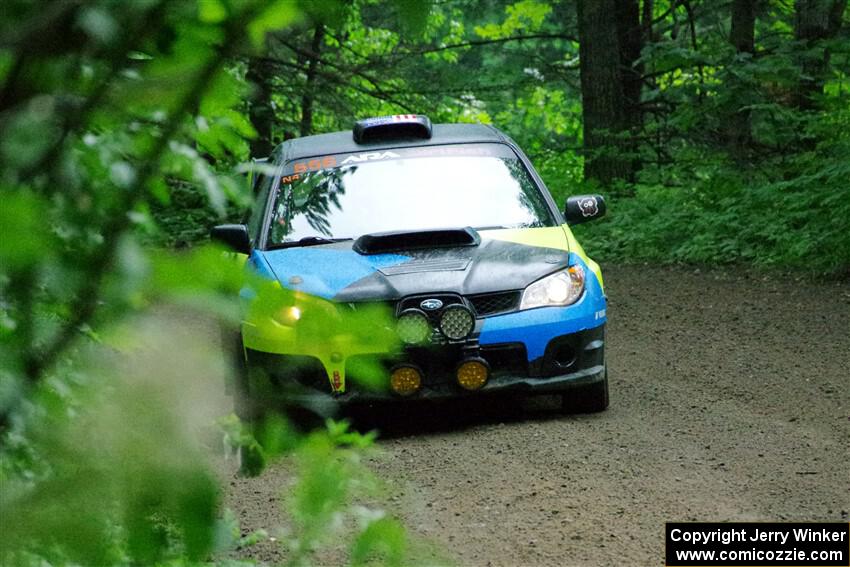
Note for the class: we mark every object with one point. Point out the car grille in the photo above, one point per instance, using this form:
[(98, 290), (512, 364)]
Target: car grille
[(437, 338), (415, 301), (486, 304)]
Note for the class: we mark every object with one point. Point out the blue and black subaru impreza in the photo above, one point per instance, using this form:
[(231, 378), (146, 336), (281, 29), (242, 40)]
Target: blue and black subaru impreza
[(409, 260)]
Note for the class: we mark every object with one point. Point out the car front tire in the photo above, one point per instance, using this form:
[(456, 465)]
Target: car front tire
[(591, 398), (245, 406)]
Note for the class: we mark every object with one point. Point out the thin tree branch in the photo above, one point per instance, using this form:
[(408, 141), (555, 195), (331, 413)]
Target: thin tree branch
[(37, 362), (77, 118), (479, 42), (374, 93), (378, 89)]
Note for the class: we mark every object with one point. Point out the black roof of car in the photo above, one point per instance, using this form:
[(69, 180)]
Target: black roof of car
[(343, 142)]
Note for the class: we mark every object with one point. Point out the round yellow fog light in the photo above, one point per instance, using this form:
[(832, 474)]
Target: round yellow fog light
[(405, 380), (472, 373)]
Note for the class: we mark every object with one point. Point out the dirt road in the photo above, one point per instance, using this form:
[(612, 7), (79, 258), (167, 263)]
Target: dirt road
[(730, 400)]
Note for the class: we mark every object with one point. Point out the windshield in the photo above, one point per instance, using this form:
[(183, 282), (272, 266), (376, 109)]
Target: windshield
[(347, 195)]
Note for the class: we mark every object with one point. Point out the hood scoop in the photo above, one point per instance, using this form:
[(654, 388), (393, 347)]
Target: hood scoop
[(383, 242), (425, 266)]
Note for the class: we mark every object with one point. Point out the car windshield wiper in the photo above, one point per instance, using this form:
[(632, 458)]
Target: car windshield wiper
[(306, 241)]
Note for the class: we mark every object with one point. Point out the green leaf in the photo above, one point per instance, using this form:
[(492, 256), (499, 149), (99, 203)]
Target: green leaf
[(414, 14), (27, 239), (277, 15), (383, 542), (212, 11)]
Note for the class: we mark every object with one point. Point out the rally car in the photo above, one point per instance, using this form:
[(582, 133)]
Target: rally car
[(405, 260)]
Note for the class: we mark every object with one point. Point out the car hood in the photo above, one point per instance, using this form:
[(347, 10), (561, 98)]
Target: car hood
[(504, 260)]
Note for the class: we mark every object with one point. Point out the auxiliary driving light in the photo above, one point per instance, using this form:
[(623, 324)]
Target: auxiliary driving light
[(288, 316), (457, 322), (472, 373), (413, 327), (405, 379)]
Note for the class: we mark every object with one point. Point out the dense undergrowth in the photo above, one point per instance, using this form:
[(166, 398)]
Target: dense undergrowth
[(787, 211)]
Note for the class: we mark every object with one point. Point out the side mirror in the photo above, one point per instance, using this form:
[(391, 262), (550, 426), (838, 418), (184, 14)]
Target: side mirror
[(234, 236), (583, 208)]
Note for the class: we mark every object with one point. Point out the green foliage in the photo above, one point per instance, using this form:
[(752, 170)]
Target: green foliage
[(778, 199), (122, 133), (83, 487), (790, 212), (324, 504), (383, 542), (331, 479), (97, 491), (527, 15)]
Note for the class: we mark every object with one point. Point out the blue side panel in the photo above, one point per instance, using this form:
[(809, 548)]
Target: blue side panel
[(536, 327), (323, 271), (258, 263), (261, 264)]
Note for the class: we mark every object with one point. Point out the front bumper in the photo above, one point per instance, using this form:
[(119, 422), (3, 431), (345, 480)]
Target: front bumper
[(568, 361), (346, 351)]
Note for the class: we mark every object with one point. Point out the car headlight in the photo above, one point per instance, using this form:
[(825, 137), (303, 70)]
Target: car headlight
[(561, 288)]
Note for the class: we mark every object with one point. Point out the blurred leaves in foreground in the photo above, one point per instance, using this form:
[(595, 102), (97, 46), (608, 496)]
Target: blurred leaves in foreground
[(111, 364), (116, 470), (116, 464)]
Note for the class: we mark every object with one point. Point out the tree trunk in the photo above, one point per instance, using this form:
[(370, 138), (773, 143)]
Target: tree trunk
[(603, 104), (742, 35), (261, 111), (815, 20), (742, 38), (646, 16), (310, 85), (629, 37)]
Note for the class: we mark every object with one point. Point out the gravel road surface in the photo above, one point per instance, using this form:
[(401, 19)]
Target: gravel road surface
[(730, 401)]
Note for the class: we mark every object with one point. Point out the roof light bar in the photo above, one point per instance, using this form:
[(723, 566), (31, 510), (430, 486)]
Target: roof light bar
[(392, 127)]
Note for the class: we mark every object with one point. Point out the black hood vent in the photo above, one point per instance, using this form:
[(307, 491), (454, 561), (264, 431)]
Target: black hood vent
[(382, 242), (424, 266)]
